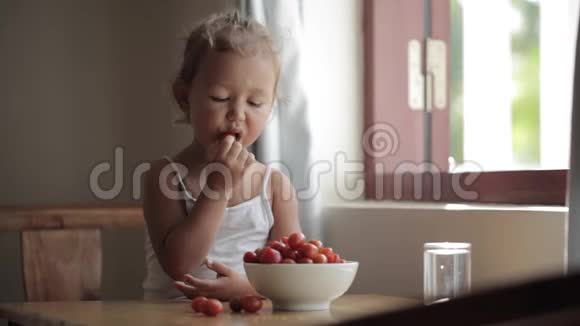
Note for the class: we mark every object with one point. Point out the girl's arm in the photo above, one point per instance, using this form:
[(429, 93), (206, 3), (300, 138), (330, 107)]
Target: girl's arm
[(179, 241), (183, 242), (231, 284), (284, 206)]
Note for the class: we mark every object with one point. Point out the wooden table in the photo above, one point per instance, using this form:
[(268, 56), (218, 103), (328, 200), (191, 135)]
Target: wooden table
[(180, 313)]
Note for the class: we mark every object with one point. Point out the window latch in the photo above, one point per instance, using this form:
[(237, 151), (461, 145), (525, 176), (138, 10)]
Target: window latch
[(435, 78)]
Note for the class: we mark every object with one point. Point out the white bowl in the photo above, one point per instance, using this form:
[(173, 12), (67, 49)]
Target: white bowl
[(301, 286)]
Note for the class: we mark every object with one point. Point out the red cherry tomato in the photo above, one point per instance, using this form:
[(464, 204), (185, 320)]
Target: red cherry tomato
[(308, 250), (295, 240), (213, 307), (270, 256), (284, 240), (320, 259), (236, 305), (326, 250), (298, 254), (290, 253), (198, 303), (251, 304), (340, 261), (330, 255), (317, 243), (288, 261), (278, 245), (250, 257), (304, 260)]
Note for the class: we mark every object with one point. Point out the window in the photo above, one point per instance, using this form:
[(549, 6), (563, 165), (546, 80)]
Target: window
[(503, 134)]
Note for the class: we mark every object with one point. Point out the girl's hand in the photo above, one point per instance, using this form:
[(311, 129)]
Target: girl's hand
[(234, 159), (227, 285)]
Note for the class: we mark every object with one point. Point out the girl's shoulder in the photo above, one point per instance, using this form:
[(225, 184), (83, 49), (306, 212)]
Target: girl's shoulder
[(159, 169), (162, 171), (275, 176), (167, 164), (279, 184), (159, 164)]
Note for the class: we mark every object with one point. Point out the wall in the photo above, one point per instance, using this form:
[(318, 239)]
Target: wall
[(78, 79), (509, 244)]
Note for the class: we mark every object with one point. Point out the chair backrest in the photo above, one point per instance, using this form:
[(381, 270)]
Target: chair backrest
[(61, 247), (62, 265)]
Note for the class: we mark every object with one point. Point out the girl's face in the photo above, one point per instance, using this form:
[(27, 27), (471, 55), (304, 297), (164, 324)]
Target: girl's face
[(231, 94)]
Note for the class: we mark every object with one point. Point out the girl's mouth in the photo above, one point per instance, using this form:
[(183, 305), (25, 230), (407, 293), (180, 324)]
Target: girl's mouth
[(237, 135)]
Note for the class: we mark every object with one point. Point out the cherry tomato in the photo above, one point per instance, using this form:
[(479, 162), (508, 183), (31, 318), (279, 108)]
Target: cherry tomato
[(320, 259), (236, 305), (298, 254), (293, 249), (317, 243), (278, 245), (290, 253), (251, 303), (326, 250), (295, 240), (213, 307), (330, 255), (198, 303), (270, 256), (309, 250), (284, 240), (250, 257), (304, 260)]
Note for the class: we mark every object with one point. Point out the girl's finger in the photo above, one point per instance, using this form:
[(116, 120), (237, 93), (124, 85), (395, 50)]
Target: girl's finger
[(250, 160), (234, 151), (187, 290), (225, 146), (243, 157), (219, 268), (198, 283)]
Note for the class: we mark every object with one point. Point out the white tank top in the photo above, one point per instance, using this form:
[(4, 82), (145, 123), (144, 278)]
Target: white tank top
[(244, 227)]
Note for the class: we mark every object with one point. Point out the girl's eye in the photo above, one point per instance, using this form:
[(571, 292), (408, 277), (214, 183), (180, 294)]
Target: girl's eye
[(255, 104), (219, 99)]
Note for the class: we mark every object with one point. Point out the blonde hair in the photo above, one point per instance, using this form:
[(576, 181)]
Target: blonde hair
[(228, 31)]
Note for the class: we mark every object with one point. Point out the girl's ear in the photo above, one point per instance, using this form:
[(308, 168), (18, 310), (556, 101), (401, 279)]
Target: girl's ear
[(181, 95)]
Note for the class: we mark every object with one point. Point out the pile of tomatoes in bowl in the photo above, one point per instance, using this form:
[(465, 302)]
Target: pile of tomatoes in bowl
[(293, 249)]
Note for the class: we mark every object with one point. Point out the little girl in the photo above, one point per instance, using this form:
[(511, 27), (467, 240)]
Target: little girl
[(226, 88)]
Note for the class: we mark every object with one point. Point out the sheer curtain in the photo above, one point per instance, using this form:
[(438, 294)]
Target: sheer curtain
[(287, 139)]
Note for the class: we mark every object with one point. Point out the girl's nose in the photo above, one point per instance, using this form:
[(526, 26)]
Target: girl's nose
[(236, 112)]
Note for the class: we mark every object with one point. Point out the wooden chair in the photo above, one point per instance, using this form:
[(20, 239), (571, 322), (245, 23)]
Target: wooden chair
[(61, 248)]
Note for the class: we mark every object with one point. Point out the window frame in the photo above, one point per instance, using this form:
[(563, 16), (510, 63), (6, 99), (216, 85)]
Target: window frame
[(388, 26)]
